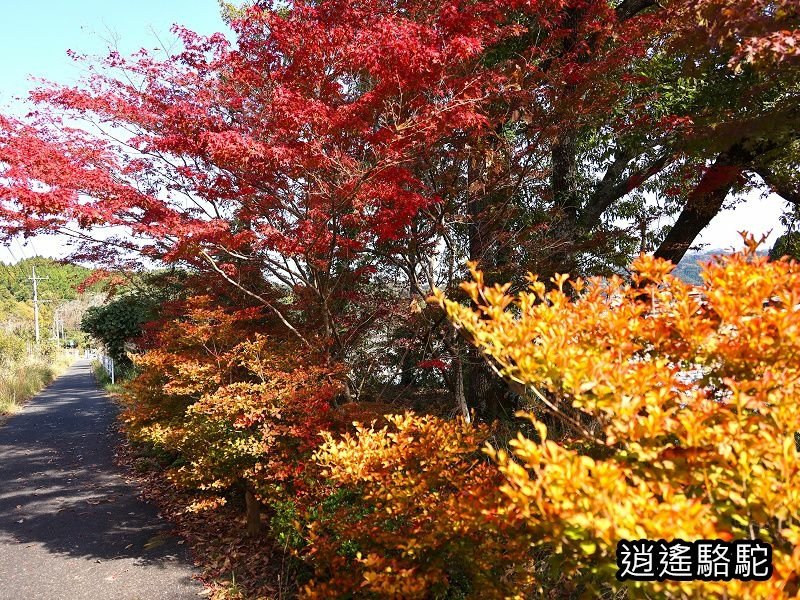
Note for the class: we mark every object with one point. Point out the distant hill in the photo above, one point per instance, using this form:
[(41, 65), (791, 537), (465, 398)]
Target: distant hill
[(688, 269), (62, 279), (16, 292)]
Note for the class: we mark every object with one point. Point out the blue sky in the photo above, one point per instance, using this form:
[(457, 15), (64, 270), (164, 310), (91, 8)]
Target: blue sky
[(35, 35)]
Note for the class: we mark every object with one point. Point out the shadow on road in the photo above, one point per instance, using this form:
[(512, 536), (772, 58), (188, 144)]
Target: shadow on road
[(60, 490)]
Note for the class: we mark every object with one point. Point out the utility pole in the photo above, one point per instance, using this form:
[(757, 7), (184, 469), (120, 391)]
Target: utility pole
[(57, 325), (35, 281)]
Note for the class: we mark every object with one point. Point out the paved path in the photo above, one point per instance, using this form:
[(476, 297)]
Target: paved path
[(71, 526)]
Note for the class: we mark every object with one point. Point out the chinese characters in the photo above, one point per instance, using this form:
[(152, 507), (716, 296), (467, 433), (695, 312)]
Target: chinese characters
[(708, 560)]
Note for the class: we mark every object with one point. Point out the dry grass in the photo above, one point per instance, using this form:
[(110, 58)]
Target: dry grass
[(22, 379)]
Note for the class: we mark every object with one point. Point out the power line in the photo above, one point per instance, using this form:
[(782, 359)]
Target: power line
[(11, 252), (21, 249)]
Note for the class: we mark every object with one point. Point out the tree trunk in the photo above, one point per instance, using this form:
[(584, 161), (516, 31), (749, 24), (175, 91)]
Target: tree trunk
[(253, 514), (564, 188), (484, 392), (703, 204), (461, 399), (564, 178)]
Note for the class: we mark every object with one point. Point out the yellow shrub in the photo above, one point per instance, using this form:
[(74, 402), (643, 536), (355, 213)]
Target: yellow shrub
[(678, 408), (420, 515)]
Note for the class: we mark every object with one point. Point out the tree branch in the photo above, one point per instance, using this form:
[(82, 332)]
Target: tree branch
[(703, 204), (611, 188), (261, 299), (705, 201), (781, 186), (630, 8)]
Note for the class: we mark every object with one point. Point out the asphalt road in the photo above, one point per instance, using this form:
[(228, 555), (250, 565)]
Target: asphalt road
[(71, 526)]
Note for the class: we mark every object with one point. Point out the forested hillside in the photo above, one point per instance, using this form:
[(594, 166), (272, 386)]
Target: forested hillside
[(691, 264), (689, 268), (58, 291)]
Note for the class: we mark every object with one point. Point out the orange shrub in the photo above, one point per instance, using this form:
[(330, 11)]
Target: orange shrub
[(237, 408), (679, 408), (188, 355), (263, 431), (424, 517)]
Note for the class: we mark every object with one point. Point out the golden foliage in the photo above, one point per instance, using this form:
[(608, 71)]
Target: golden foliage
[(425, 515), (680, 406)]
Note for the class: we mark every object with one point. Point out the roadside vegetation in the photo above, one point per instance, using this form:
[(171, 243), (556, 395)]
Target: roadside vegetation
[(626, 390), (26, 368), (104, 379), (22, 375)]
